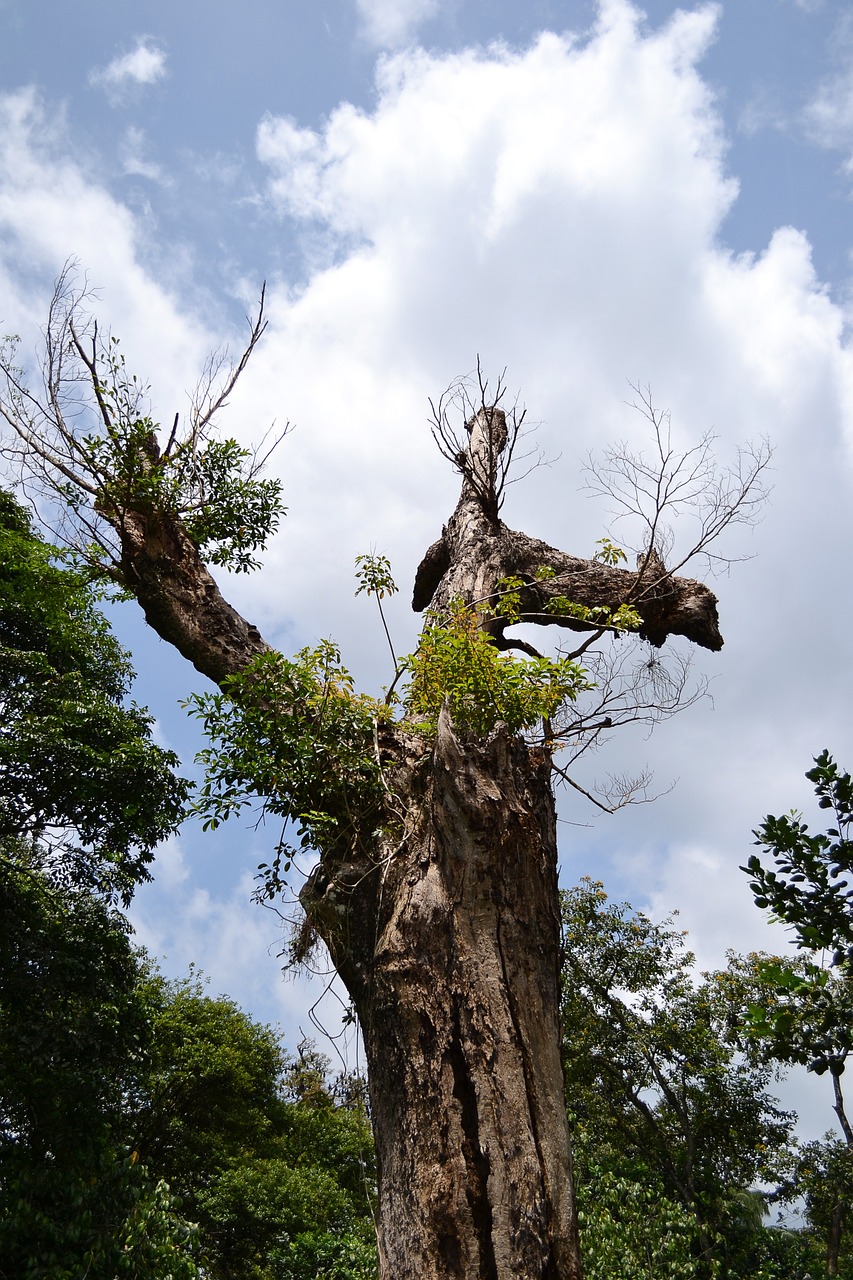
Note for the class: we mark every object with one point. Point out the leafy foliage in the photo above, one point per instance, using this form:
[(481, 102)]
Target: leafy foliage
[(84, 798), (104, 456), (823, 1178), (374, 577), (660, 1092), (805, 889), (147, 1129), (623, 618), (279, 1178), (78, 769), (75, 1198), (630, 1230), (456, 661), (229, 512), (295, 733), (810, 1020), (609, 553)]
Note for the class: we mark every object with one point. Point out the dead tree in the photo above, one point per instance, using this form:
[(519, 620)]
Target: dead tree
[(438, 901)]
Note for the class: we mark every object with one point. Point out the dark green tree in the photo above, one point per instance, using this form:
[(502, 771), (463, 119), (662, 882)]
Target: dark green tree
[(147, 1128), (823, 1178), (74, 1197), (666, 1108), (807, 885), (79, 774), (85, 796), (279, 1177)]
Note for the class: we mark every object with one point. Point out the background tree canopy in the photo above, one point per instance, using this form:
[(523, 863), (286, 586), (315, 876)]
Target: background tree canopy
[(145, 1129), (79, 772), (807, 886)]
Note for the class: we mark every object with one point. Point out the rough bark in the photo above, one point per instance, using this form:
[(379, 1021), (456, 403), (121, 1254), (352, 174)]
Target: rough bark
[(180, 599), (449, 946), (833, 1243), (444, 924)]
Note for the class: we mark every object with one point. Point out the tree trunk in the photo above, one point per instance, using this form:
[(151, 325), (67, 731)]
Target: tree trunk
[(444, 925), (449, 948), (838, 1216), (833, 1243)]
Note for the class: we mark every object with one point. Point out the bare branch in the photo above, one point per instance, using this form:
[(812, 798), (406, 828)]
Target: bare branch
[(207, 399), (452, 416), (630, 688), (666, 484), (87, 444), (617, 792)]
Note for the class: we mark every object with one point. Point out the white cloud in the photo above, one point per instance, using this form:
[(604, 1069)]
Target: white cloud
[(171, 867), (390, 23), (235, 944), (223, 933), (135, 161), (53, 209), (559, 210), (144, 65), (828, 116), (763, 110)]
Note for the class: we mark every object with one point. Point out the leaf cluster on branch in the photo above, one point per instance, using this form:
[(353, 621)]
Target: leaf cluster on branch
[(810, 886), (90, 442), (297, 735)]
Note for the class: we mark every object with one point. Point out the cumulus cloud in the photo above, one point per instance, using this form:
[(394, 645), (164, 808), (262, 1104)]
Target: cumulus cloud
[(143, 65), (54, 210), (389, 23), (560, 209)]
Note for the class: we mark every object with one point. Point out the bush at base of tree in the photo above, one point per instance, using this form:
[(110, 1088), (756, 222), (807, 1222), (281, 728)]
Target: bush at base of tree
[(279, 1177)]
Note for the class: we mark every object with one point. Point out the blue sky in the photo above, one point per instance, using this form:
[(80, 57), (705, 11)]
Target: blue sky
[(586, 194)]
